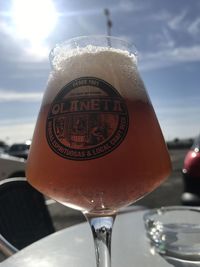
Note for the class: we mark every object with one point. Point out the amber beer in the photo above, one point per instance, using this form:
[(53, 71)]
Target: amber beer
[(97, 145)]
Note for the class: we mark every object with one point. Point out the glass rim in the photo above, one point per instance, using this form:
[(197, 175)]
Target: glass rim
[(148, 215), (131, 48)]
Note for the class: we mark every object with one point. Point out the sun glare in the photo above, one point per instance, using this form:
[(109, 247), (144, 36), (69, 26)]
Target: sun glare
[(38, 50), (34, 20)]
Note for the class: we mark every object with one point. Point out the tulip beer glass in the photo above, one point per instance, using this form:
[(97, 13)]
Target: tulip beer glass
[(97, 145)]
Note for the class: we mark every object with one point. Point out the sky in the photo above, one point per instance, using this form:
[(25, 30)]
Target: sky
[(165, 33)]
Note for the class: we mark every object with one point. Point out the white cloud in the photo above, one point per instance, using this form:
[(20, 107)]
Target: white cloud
[(168, 57), (128, 6), (10, 96), (35, 74), (176, 22), (167, 41), (194, 27), (180, 22), (162, 40), (161, 16), (81, 12), (87, 26)]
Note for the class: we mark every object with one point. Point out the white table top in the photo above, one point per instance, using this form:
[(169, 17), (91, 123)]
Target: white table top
[(74, 247)]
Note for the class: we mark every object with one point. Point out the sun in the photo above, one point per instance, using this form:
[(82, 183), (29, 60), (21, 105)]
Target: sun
[(33, 20)]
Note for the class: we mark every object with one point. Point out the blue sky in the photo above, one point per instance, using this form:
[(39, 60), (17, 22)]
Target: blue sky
[(166, 34)]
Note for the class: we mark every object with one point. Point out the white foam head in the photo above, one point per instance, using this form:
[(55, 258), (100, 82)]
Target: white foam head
[(115, 66)]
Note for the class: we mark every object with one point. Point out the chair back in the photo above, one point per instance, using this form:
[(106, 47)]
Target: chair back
[(24, 217)]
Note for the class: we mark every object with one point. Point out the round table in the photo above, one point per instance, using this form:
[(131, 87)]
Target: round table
[(74, 247)]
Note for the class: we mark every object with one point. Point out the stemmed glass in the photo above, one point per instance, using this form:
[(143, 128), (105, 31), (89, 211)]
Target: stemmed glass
[(97, 145)]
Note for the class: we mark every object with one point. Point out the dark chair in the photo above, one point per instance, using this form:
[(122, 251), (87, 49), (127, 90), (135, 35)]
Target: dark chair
[(24, 217)]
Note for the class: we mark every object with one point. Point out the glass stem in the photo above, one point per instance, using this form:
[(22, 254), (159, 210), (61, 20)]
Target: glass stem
[(102, 231)]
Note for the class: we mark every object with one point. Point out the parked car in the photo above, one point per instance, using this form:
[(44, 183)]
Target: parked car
[(191, 175), (3, 147), (11, 166), (19, 150)]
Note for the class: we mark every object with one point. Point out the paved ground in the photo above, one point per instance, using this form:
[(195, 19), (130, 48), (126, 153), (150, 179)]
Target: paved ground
[(168, 193)]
